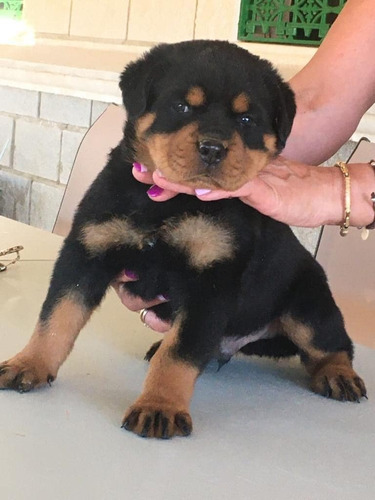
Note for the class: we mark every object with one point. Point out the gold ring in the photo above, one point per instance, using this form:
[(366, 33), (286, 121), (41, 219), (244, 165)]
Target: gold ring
[(142, 315)]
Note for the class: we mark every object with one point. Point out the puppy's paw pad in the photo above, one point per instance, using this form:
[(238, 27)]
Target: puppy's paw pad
[(340, 386), (22, 376), (159, 423)]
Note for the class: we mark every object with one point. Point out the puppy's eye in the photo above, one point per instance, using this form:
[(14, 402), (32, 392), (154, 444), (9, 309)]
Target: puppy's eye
[(246, 120), (181, 107)]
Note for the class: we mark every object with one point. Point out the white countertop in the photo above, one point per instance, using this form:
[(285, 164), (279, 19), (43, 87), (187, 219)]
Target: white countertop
[(259, 433)]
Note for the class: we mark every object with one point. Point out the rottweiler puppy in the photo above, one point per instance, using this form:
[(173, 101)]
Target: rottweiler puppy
[(210, 115)]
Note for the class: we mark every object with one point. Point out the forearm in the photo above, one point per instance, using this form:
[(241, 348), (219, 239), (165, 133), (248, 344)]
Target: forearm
[(336, 87)]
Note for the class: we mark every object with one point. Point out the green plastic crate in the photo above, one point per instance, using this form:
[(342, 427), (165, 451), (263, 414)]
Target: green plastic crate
[(11, 9), (297, 22)]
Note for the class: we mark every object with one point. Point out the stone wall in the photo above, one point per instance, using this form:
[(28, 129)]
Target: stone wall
[(39, 137)]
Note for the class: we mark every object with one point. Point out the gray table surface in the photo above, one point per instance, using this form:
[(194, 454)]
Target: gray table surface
[(259, 433)]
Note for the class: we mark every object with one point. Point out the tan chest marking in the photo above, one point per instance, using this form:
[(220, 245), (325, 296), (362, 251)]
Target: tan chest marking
[(100, 237), (201, 238)]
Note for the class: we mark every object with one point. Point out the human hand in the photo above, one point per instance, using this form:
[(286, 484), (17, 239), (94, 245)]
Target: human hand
[(137, 304), (291, 192)]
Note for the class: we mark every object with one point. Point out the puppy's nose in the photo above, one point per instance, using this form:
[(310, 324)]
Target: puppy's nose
[(211, 151)]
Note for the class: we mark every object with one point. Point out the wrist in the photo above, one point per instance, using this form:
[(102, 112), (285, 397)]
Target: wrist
[(362, 184), (335, 197)]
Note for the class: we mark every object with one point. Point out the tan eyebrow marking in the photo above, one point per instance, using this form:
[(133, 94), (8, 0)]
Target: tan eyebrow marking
[(195, 96), (241, 103)]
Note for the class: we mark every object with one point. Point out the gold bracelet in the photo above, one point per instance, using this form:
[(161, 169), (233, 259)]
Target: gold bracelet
[(344, 228)]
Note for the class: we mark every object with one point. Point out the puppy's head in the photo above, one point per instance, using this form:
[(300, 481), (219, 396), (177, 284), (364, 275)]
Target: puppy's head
[(207, 114)]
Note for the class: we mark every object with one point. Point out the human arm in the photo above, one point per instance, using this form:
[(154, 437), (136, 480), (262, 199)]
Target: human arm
[(336, 87)]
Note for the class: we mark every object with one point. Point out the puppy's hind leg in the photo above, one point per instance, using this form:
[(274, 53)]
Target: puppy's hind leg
[(77, 287), (315, 325)]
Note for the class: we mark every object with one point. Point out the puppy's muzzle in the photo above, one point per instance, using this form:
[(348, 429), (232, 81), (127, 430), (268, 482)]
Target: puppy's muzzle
[(211, 151)]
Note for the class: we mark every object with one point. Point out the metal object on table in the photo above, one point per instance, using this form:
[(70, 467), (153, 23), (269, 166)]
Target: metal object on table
[(8, 251)]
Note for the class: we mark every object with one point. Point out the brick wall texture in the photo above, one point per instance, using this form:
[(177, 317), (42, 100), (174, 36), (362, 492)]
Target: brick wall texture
[(39, 137)]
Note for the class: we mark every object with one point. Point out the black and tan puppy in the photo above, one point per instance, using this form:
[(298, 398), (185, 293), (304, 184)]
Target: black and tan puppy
[(207, 114)]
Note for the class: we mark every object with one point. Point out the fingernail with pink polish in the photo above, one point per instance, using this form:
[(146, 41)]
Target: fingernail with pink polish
[(130, 274), (139, 167), (200, 192), (155, 191)]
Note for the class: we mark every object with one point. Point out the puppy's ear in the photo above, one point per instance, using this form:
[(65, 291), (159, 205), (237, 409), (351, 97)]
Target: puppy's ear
[(285, 112), (137, 82), (282, 101)]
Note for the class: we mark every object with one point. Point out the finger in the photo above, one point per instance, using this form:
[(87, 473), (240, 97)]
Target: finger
[(216, 194), (141, 174), (155, 323), (164, 183), (133, 302), (157, 193), (220, 194)]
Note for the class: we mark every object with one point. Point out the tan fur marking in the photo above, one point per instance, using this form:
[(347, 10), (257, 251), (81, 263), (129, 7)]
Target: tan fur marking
[(203, 240), (330, 363), (241, 103), (195, 96), (176, 154), (270, 143), (168, 387), (97, 238), (144, 123), (240, 165), (332, 373), (142, 154), (49, 345), (177, 157), (335, 374), (301, 335), (53, 340)]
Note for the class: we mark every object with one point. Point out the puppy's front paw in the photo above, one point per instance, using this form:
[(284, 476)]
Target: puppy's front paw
[(157, 420), (23, 374), (341, 384)]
